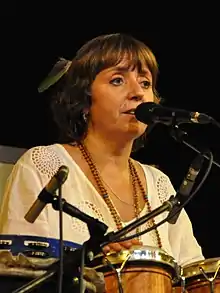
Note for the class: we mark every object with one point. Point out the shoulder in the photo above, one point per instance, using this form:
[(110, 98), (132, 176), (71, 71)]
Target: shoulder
[(159, 182), (155, 173), (44, 159)]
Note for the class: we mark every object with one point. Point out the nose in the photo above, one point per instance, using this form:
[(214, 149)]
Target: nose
[(136, 91)]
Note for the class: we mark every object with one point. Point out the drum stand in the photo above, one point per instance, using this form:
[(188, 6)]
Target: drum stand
[(211, 280)]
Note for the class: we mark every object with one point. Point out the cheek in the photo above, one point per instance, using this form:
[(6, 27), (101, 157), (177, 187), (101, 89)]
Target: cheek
[(149, 96), (103, 107), (106, 99)]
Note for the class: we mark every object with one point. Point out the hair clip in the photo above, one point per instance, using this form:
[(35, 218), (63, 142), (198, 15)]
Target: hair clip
[(59, 69)]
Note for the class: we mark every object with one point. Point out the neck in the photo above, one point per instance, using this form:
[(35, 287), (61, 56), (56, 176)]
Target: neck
[(106, 152)]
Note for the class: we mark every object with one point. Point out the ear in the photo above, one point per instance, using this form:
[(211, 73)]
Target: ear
[(86, 111)]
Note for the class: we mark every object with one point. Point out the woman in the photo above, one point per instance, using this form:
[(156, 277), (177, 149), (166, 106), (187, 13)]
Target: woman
[(108, 78)]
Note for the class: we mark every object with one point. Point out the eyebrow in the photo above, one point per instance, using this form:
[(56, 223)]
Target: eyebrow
[(125, 68)]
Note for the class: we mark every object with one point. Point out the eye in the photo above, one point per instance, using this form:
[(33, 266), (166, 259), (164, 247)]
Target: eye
[(117, 81), (146, 84)]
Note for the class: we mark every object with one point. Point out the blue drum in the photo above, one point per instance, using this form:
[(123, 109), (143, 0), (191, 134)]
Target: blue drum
[(35, 246), (24, 258)]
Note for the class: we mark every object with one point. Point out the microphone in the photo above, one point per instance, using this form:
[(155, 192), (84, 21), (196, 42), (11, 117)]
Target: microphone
[(45, 195), (150, 112), (94, 225), (186, 187)]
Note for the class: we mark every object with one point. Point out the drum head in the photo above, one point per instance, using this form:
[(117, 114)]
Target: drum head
[(138, 256), (195, 269)]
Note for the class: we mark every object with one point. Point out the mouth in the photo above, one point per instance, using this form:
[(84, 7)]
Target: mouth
[(131, 112)]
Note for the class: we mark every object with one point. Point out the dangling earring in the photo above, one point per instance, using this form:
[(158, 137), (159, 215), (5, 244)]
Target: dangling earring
[(85, 117), (75, 128)]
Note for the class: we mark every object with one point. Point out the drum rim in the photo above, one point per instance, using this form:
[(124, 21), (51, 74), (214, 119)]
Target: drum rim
[(209, 265), (152, 254)]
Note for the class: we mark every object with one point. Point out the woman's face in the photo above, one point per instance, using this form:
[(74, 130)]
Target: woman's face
[(115, 91)]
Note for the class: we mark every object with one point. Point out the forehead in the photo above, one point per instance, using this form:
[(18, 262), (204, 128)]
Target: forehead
[(127, 66)]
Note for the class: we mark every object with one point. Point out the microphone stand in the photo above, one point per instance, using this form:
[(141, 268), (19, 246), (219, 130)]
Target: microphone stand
[(173, 202), (91, 247), (97, 230), (72, 260), (178, 134), (166, 206)]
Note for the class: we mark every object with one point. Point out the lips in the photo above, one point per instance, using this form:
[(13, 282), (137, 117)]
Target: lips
[(130, 111)]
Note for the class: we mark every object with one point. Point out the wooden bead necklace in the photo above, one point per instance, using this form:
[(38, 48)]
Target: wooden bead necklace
[(104, 193)]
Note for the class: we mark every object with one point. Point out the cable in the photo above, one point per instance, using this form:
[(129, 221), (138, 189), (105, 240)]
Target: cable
[(193, 148), (178, 135), (215, 122), (184, 204), (82, 264), (177, 211), (61, 246)]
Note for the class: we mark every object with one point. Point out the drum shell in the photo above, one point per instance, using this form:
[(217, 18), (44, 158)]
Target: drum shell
[(195, 275), (145, 269)]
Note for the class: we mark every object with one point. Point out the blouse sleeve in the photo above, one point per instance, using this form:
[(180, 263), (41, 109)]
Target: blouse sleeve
[(23, 186), (181, 236)]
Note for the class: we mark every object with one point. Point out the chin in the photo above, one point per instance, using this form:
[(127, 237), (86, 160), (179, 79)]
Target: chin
[(137, 130)]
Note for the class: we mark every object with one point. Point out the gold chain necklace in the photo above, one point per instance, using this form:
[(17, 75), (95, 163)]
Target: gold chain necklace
[(135, 181), (112, 191)]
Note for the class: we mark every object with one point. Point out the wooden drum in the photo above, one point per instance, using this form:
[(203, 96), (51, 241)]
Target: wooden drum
[(202, 276), (143, 269)]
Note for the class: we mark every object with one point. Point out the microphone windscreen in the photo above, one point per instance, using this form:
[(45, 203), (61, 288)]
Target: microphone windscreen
[(144, 112)]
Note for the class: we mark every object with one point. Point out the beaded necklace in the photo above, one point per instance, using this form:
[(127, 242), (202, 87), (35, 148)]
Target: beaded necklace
[(104, 193)]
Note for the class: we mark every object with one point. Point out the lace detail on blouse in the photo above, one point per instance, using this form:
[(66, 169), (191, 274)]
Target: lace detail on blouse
[(162, 188), (90, 209), (46, 161)]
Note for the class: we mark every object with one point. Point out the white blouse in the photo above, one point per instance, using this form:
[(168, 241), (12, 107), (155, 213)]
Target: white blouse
[(37, 166)]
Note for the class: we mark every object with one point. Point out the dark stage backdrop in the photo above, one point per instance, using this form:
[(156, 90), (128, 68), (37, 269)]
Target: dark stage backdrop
[(188, 59)]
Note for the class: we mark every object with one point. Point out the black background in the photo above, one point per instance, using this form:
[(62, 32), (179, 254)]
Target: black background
[(187, 49)]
